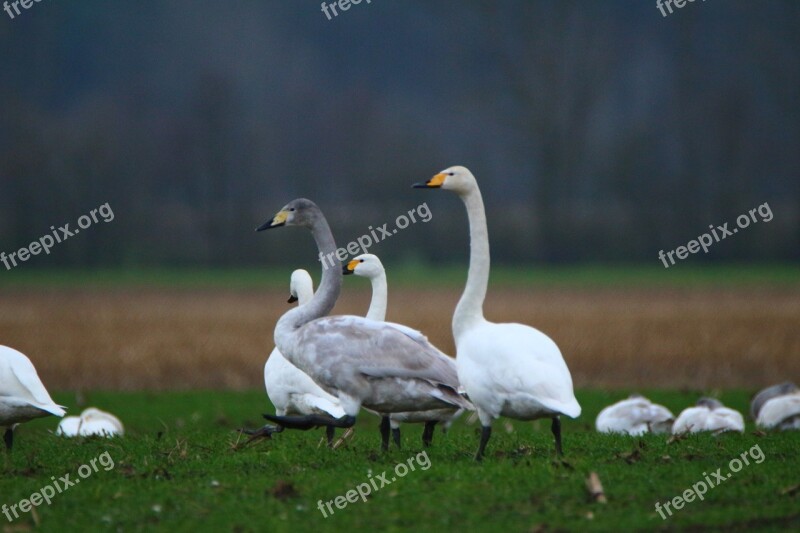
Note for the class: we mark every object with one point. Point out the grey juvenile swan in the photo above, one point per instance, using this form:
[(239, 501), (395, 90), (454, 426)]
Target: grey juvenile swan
[(385, 367)]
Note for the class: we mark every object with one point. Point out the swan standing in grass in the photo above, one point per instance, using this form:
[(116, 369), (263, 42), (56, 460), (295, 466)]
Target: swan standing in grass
[(291, 390), (383, 366), (708, 414), (635, 416), (369, 266), (777, 407), (92, 422), (22, 395), (511, 370)]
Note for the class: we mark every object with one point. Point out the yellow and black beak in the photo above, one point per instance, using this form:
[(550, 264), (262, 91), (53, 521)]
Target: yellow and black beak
[(277, 220), (350, 267), (292, 299), (433, 183)]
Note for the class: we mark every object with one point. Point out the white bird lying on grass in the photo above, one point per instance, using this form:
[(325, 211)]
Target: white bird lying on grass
[(22, 395), (92, 422), (777, 407), (370, 266), (291, 390), (635, 415), (708, 414), (508, 370)]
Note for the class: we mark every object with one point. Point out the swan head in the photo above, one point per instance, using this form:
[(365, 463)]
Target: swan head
[(709, 403), (458, 179), (367, 265), (301, 287), (299, 212)]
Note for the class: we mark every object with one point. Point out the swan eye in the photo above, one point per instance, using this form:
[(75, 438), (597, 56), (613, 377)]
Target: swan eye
[(451, 173), (360, 260), (291, 209)]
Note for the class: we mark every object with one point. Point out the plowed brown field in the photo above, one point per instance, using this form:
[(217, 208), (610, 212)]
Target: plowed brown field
[(219, 339)]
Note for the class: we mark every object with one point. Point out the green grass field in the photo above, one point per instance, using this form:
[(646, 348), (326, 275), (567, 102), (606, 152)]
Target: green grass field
[(178, 470)]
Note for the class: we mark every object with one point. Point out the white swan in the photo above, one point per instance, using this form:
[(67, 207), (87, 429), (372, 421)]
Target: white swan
[(777, 407), (708, 414), (383, 366), (92, 422), (511, 370), (370, 266), (22, 395), (291, 390), (635, 415)]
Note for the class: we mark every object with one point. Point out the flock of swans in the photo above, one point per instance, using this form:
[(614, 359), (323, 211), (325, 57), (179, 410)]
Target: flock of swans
[(324, 369)]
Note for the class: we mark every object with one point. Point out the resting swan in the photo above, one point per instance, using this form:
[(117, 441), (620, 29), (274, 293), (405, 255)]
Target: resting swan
[(708, 414), (22, 395), (777, 407), (370, 266), (385, 367), (511, 370), (92, 422), (635, 416), (291, 390)]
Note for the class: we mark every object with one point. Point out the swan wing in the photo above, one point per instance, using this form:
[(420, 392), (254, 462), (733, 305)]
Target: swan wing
[(691, 419), (509, 360), (290, 389), (634, 416), (376, 349), (775, 411), (725, 419), (18, 378), (320, 403), (340, 352)]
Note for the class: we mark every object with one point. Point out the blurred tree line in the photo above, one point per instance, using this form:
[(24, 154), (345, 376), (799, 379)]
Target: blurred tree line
[(599, 131)]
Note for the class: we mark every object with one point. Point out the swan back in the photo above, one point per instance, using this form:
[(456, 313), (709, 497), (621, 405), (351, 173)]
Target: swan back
[(634, 416), (97, 422), (769, 393), (708, 415), (781, 412)]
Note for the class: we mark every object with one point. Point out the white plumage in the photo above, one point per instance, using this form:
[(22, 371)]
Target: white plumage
[(291, 390), (782, 413), (22, 394), (777, 407), (708, 415), (91, 422), (508, 370), (635, 416)]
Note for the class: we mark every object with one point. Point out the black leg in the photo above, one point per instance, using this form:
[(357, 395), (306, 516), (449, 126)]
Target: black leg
[(427, 433), (330, 432), (9, 439), (311, 421), (555, 427), (486, 432), (396, 437), (261, 433), (385, 424)]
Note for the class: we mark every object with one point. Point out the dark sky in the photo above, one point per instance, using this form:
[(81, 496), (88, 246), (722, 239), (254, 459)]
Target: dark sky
[(603, 130)]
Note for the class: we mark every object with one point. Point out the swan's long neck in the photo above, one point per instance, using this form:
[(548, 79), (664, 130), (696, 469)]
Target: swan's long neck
[(377, 306), (469, 310), (329, 287)]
